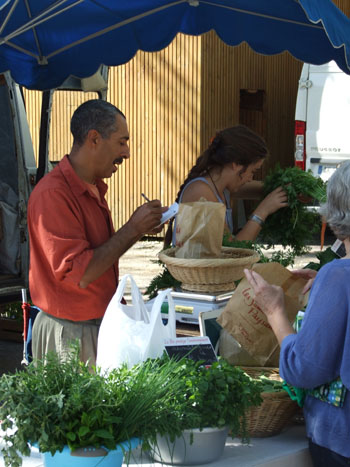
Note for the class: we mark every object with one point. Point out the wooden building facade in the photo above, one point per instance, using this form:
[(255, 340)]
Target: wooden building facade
[(174, 101)]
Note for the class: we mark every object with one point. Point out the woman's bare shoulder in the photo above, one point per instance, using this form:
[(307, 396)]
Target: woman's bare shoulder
[(197, 190)]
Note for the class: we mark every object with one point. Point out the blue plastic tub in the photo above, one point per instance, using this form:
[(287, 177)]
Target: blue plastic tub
[(83, 458)]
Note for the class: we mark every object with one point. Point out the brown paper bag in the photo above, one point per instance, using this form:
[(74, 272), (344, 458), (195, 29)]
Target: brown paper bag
[(246, 322), (199, 229)]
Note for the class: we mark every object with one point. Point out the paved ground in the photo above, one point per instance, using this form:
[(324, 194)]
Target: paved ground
[(141, 262)]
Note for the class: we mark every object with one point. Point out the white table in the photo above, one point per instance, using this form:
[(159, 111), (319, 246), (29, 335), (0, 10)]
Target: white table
[(288, 449)]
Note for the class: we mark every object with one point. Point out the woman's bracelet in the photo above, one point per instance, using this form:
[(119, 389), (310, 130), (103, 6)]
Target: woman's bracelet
[(257, 219)]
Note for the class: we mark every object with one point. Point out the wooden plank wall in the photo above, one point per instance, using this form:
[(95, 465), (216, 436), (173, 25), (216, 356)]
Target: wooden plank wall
[(343, 5), (227, 70), (160, 96), (63, 105), (33, 108)]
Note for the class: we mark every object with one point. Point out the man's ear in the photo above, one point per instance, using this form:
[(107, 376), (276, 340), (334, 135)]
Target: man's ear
[(93, 137)]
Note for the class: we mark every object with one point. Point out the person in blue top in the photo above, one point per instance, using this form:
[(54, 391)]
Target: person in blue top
[(227, 168), (320, 353)]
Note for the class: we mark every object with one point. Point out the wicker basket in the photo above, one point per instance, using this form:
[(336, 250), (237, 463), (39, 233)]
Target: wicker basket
[(276, 410), (210, 274)]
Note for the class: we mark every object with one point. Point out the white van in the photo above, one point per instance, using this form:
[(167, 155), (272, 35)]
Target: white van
[(17, 177), (322, 119)]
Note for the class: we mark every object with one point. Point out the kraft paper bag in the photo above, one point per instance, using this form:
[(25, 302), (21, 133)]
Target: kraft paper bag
[(246, 322), (200, 229)]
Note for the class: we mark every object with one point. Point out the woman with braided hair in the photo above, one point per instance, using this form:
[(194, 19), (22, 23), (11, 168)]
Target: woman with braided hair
[(227, 168)]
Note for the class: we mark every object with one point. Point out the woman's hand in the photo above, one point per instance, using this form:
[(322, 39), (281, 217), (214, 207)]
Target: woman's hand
[(309, 274), (270, 298), (272, 202)]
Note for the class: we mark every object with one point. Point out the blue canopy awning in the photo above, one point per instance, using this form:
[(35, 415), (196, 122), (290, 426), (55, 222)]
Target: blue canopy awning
[(42, 42)]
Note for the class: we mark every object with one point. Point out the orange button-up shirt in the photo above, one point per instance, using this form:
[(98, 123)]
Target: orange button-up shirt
[(66, 222)]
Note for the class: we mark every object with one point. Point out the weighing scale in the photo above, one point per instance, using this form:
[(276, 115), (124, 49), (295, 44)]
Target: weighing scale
[(188, 304)]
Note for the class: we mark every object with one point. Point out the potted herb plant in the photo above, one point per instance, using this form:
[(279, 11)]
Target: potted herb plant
[(215, 400), (79, 417)]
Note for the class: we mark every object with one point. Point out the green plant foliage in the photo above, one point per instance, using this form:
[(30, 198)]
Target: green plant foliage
[(214, 396), (12, 310), (294, 225), (230, 241), (57, 403), (161, 281), (270, 385), (324, 257), (285, 257)]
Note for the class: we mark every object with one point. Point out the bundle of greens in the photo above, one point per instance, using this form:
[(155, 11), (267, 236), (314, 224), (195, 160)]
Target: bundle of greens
[(54, 404), (323, 257), (215, 396), (270, 385), (161, 281), (294, 225), (285, 257)]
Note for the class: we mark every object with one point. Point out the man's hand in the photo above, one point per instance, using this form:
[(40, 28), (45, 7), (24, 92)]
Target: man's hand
[(146, 218)]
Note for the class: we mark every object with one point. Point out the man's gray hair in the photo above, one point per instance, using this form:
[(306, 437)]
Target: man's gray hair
[(336, 210), (95, 114)]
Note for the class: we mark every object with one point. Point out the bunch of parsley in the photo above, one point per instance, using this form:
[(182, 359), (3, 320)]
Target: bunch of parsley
[(213, 396), (294, 225)]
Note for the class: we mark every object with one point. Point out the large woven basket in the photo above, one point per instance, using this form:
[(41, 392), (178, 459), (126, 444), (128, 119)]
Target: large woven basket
[(210, 274), (276, 410)]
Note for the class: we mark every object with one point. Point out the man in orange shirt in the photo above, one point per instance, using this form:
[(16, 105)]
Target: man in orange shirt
[(74, 250)]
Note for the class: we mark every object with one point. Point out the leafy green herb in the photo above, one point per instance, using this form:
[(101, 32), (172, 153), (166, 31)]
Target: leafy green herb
[(270, 385), (294, 225), (230, 241), (215, 396), (55, 403), (161, 281), (285, 257), (324, 257)]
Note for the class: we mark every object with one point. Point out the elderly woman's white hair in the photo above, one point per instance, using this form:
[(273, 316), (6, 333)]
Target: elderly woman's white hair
[(336, 210)]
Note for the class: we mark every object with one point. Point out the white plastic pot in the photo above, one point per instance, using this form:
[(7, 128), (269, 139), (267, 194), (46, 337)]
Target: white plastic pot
[(207, 446)]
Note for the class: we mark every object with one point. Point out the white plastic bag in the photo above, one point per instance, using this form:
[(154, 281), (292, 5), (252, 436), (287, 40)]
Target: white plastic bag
[(130, 333)]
